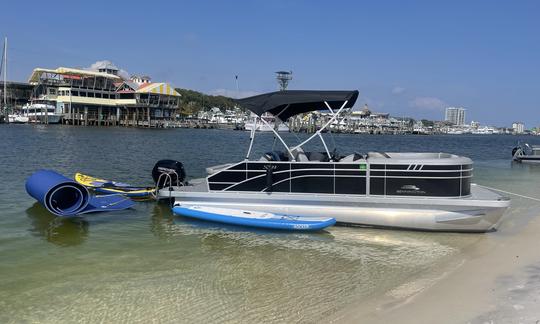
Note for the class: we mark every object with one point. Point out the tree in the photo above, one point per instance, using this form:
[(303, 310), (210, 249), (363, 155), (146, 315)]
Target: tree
[(192, 102), (427, 123)]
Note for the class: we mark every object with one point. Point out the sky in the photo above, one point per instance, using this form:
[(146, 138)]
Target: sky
[(407, 58)]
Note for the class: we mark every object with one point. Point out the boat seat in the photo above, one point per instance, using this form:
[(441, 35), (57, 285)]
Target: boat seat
[(300, 155), (378, 155), (274, 156), (317, 156), (352, 157), (217, 168)]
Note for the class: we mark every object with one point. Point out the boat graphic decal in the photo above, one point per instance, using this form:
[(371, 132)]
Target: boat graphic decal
[(410, 189)]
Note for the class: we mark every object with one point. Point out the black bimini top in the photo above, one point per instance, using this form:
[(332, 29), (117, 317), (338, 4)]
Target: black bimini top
[(284, 104)]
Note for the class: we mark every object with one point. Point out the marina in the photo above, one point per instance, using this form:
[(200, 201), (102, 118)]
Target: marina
[(101, 97)]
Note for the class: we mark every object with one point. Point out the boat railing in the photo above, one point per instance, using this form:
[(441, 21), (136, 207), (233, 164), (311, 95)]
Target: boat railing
[(166, 177)]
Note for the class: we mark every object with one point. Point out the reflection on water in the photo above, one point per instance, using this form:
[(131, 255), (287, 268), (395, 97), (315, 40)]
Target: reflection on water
[(527, 167), (57, 230), (161, 219)]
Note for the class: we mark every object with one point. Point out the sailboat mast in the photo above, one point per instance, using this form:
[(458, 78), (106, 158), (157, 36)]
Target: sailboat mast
[(5, 79)]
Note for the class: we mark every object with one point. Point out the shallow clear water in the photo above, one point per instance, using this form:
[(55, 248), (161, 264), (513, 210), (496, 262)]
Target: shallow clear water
[(145, 264)]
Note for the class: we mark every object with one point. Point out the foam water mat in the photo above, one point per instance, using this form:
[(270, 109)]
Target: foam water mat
[(65, 197)]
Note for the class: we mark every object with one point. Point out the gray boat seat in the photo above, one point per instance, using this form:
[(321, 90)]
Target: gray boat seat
[(317, 156), (378, 155), (352, 157), (217, 168), (300, 155), (274, 156)]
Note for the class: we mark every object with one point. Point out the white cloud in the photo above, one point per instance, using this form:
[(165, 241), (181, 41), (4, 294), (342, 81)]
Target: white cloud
[(428, 103), (233, 93), (99, 64), (398, 90)]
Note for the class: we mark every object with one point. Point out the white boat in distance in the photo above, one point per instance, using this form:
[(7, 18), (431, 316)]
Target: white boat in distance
[(17, 119), (254, 123), (526, 153), (421, 191), (42, 111)]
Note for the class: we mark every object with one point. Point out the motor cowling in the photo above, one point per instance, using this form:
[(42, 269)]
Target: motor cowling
[(168, 173), (514, 150)]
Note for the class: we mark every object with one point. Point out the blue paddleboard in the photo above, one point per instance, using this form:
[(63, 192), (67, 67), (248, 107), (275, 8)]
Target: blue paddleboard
[(254, 218)]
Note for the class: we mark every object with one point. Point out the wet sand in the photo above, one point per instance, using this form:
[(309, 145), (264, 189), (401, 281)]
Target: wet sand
[(496, 280)]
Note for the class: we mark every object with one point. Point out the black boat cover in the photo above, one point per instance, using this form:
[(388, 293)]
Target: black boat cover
[(284, 104)]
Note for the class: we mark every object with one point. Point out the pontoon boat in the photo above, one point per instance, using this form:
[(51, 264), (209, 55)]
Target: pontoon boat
[(425, 191), (526, 153)]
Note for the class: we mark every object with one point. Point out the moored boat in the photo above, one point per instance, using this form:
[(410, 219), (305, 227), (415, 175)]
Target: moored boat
[(526, 153), (42, 111), (254, 123), (17, 119), (425, 191)]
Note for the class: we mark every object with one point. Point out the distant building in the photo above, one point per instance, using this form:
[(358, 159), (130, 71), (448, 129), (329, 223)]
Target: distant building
[(140, 79), (455, 115), (17, 94), (518, 127), (365, 112), (107, 67), (104, 97)]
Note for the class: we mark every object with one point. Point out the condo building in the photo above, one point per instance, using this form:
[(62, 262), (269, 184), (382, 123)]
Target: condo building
[(518, 127), (455, 115)]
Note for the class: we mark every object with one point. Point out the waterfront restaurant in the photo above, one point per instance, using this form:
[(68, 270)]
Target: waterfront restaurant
[(17, 94), (104, 98)]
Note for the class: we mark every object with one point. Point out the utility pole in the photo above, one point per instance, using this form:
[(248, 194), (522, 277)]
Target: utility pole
[(237, 88)]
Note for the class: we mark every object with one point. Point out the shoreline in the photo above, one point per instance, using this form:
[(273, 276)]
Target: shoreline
[(496, 280), (200, 124)]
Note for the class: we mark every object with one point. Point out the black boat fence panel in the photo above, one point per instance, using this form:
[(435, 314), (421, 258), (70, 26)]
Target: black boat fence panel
[(345, 178)]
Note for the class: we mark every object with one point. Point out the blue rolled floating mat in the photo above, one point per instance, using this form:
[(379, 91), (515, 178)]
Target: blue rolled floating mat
[(64, 197)]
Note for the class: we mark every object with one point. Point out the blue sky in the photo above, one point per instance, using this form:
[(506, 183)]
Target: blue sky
[(407, 58)]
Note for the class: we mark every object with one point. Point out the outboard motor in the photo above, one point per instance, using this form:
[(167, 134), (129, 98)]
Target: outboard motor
[(514, 150), (168, 173)]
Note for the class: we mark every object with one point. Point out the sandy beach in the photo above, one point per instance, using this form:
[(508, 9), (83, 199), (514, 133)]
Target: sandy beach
[(495, 280)]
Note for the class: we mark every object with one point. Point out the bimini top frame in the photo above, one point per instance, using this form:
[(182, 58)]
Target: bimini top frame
[(285, 104)]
